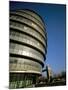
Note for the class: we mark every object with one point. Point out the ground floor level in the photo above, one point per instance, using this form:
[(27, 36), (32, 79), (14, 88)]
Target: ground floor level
[(19, 80)]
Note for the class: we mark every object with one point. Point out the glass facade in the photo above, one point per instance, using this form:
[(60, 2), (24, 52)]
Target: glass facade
[(19, 64), (35, 15), (30, 17), (28, 48), (28, 30), (23, 38), (28, 22), (25, 51)]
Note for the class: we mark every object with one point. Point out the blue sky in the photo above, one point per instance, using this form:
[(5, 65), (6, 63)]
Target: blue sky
[(54, 16)]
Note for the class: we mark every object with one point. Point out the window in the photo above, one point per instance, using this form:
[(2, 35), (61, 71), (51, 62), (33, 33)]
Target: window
[(25, 28), (12, 46), (13, 61)]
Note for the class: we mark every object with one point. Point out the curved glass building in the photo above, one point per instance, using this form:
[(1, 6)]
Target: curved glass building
[(28, 47)]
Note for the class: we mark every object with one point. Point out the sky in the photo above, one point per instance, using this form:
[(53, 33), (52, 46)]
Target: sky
[(54, 16)]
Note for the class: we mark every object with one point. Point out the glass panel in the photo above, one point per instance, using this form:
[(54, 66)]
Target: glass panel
[(28, 23), (30, 31)]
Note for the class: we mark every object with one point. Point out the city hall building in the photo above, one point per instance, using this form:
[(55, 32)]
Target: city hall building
[(28, 48)]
